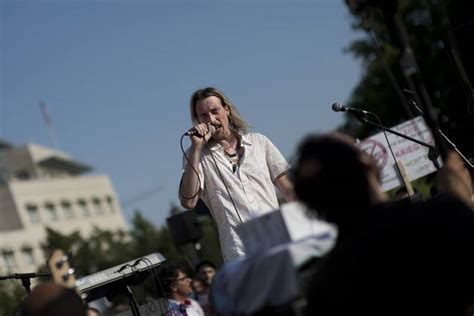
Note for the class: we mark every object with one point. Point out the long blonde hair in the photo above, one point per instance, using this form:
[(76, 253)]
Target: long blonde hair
[(236, 122)]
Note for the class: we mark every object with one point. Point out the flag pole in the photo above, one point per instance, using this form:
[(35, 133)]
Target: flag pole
[(47, 120)]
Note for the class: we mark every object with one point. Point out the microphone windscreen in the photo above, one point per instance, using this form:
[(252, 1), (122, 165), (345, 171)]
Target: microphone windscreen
[(336, 107)]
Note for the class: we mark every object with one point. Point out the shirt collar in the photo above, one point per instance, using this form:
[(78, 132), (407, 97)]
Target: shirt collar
[(187, 302), (245, 141)]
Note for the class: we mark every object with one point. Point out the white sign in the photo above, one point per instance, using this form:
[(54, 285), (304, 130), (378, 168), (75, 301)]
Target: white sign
[(288, 224), (413, 156)]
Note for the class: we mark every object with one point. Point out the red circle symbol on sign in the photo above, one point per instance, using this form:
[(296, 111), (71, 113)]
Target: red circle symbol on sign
[(375, 149)]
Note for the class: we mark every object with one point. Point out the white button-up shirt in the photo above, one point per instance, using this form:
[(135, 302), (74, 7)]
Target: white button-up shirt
[(251, 187)]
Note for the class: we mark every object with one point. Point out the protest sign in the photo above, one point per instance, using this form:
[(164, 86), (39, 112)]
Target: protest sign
[(413, 156)]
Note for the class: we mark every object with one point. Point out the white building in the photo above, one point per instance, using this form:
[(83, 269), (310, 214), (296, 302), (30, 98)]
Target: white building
[(41, 187)]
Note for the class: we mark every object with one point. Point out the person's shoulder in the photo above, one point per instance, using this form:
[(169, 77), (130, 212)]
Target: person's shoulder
[(193, 301), (445, 201), (195, 305), (441, 208), (255, 137)]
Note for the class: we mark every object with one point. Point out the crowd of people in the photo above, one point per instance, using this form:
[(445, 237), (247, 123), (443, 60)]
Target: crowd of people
[(393, 256), (185, 295)]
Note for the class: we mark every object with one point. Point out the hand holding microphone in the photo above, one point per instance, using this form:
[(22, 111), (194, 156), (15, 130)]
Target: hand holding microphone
[(201, 133)]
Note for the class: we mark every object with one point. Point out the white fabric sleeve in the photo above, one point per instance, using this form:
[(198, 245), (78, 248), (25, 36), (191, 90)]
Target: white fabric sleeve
[(276, 163)]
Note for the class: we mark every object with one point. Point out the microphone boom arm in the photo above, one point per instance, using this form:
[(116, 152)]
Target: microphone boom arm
[(25, 279), (410, 97), (433, 152)]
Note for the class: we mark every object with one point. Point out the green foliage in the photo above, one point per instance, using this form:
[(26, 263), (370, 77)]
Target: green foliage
[(432, 27), (98, 251), (210, 247), (146, 238), (422, 185), (11, 293), (56, 240), (117, 247)]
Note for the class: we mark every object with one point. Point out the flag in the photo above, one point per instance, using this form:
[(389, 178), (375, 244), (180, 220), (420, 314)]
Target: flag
[(44, 111)]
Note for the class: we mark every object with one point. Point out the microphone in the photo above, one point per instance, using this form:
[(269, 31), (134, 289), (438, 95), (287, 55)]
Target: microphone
[(337, 107), (193, 131)]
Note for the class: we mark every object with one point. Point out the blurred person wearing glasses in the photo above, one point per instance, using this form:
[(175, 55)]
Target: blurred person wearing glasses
[(177, 286)]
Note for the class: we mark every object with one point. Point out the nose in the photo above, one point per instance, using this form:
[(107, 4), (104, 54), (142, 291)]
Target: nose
[(210, 118)]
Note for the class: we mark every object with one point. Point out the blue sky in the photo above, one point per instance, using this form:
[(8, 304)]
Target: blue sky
[(117, 76)]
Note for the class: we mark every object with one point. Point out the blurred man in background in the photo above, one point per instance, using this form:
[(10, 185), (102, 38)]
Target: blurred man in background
[(177, 287)]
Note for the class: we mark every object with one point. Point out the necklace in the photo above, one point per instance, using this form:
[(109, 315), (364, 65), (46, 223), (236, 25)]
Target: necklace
[(233, 147), (234, 157), (230, 155)]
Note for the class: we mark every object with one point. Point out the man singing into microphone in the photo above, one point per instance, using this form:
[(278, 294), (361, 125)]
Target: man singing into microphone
[(233, 171)]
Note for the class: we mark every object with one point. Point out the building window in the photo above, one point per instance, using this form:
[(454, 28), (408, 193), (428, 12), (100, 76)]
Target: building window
[(67, 209), (33, 214), (99, 209), (22, 175), (51, 211), (9, 259), (28, 256), (110, 204), (84, 208)]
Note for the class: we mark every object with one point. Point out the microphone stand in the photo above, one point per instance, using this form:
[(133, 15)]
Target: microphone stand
[(399, 36), (433, 152), (400, 173), (132, 301), (453, 145), (25, 279)]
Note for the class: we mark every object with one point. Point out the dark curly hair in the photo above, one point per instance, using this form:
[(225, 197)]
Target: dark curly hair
[(168, 274), (331, 176)]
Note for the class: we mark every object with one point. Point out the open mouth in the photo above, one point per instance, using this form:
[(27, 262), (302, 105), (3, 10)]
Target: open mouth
[(218, 128)]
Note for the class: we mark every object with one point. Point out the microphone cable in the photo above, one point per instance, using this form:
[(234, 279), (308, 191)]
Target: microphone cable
[(199, 178), (195, 171), (225, 185)]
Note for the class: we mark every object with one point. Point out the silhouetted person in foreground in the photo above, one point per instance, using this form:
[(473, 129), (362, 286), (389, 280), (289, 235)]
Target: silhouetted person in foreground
[(91, 311), (50, 299), (392, 258), (402, 193)]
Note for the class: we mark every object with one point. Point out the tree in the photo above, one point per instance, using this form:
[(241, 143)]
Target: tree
[(146, 239), (431, 36), (210, 247), (11, 294)]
